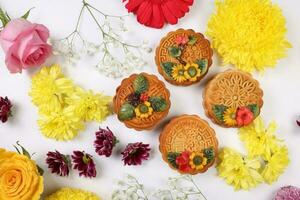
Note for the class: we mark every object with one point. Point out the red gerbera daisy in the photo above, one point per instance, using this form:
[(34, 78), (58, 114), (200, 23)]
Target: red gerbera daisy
[(155, 13)]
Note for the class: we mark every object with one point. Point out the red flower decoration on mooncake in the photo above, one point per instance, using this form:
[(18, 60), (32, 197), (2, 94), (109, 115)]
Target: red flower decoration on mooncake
[(155, 13)]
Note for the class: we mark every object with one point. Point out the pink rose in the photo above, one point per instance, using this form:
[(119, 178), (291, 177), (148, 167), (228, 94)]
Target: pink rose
[(25, 44)]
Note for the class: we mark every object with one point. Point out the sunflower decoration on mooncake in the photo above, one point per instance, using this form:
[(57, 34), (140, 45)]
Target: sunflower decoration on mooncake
[(183, 57), (251, 35), (233, 99), (188, 144), (141, 101)]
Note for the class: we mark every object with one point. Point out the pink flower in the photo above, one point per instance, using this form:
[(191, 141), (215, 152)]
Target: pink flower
[(25, 44), (181, 40)]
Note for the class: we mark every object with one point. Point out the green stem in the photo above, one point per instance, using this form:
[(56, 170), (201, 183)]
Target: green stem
[(196, 186)]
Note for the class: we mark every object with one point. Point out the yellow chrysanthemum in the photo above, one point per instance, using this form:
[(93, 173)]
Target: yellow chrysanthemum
[(197, 161), (276, 162), (72, 194), (230, 117), (178, 74), (144, 110), (89, 106), (62, 125), (251, 34), (238, 171), (49, 88), (259, 141), (192, 72)]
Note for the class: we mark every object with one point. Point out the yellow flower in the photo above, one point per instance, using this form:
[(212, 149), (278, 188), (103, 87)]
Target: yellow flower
[(192, 72), (197, 161), (49, 89), (241, 172), (62, 125), (178, 74), (259, 141), (72, 194), (251, 35), (276, 163), (230, 117), (19, 177), (143, 110), (89, 106)]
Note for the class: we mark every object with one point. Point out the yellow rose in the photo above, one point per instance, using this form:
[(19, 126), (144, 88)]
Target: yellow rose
[(19, 177)]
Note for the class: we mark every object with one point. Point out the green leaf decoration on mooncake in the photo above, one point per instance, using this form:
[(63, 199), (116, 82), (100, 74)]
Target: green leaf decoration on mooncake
[(159, 104), (174, 52), (209, 154), (126, 112), (203, 65), (168, 68), (254, 109), (219, 111), (192, 40), (171, 157), (140, 84)]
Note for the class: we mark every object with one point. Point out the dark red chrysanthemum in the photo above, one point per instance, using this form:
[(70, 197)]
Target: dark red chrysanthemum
[(5, 109), (155, 13), (105, 142), (135, 153), (298, 121), (84, 163), (58, 163)]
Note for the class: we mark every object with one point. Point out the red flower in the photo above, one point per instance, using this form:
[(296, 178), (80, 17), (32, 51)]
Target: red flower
[(244, 116), (144, 97), (58, 163), (84, 163), (183, 162), (155, 13), (181, 40), (5, 109)]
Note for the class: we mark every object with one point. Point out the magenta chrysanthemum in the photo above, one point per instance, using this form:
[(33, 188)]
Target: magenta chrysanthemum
[(5, 109), (84, 163), (105, 142), (288, 193), (135, 153), (58, 163)]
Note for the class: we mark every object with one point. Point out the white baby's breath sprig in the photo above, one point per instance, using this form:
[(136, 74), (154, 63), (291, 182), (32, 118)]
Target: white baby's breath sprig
[(117, 58)]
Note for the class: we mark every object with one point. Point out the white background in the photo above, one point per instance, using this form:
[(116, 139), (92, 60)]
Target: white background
[(281, 88)]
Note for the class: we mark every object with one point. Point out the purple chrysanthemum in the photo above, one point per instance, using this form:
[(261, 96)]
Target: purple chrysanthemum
[(105, 142), (135, 153), (298, 121), (288, 193), (58, 163), (84, 163), (5, 109)]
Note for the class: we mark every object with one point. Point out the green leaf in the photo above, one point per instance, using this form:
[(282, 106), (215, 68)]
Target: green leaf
[(40, 170), (209, 154), (254, 109), (126, 112), (4, 17), (171, 157), (25, 16), (219, 111), (174, 52), (203, 65), (140, 84), (23, 152), (192, 40), (168, 68), (159, 104)]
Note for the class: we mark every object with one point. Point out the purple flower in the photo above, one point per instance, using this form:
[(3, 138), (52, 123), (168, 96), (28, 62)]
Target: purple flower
[(105, 142), (58, 163), (84, 163), (298, 121), (135, 153), (5, 109), (288, 193)]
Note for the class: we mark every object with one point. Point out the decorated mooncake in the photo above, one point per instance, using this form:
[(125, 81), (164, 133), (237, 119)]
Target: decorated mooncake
[(183, 57), (233, 99), (141, 101), (188, 144)]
